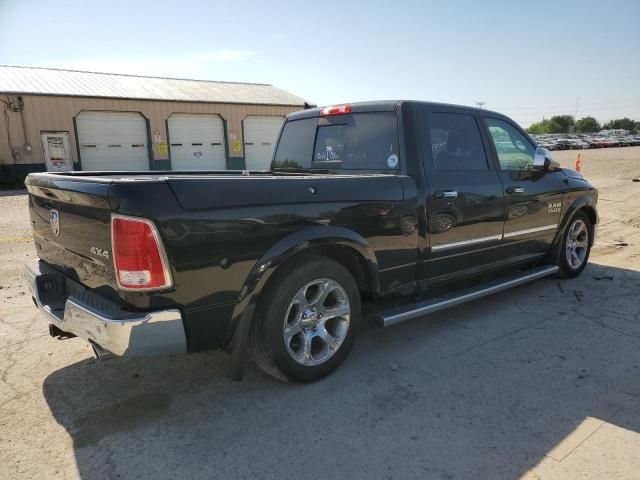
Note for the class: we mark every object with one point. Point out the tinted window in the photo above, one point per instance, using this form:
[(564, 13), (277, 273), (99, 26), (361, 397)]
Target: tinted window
[(362, 141), (359, 141), (296, 144), (456, 142), (515, 151)]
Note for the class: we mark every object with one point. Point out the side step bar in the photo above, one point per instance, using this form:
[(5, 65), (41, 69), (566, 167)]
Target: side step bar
[(408, 312)]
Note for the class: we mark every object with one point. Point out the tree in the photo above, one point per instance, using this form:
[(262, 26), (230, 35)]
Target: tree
[(561, 123), (539, 127), (621, 123), (587, 124)]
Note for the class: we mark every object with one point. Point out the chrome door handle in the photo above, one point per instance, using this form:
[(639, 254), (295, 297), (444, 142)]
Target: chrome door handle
[(446, 194), (511, 190)]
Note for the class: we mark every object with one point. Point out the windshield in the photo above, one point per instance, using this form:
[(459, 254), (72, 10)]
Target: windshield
[(360, 141)]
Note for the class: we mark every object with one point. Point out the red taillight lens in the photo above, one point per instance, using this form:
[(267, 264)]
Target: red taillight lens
[(335, 110), (138, 258)]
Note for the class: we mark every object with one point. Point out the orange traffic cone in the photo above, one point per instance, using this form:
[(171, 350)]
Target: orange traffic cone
[(578, 163)]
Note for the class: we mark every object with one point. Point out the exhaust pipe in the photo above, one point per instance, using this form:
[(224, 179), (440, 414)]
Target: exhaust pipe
[(101, 353), (55, 332)]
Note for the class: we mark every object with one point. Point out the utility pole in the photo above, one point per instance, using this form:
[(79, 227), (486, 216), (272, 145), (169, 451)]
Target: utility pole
[(576, 115), (480, 104)]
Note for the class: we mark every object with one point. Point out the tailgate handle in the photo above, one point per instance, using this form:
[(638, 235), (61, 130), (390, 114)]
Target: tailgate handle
[(512, 190)]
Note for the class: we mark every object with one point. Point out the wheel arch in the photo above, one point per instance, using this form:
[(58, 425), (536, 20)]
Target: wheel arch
[(586, 204), (338, 243)]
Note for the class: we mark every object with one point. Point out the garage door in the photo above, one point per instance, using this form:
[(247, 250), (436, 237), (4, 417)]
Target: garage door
[(260, 135), (112, 141), (197, 142)]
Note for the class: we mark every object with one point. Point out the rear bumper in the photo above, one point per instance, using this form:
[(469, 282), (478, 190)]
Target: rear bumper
[(75, 309)]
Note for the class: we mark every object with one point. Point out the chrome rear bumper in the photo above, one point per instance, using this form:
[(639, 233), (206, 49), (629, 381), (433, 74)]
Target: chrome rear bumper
[(75, 309)]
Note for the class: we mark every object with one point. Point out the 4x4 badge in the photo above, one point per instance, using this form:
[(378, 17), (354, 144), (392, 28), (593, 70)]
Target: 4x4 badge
[(54, 221)]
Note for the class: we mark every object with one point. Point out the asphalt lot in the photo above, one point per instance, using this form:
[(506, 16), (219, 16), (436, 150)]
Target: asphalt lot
[(538, 382)]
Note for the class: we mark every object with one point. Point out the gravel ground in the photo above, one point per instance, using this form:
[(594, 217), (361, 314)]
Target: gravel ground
[(538, 382)]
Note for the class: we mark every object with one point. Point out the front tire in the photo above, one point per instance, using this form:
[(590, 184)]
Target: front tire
[(307, 320), (573, 252)]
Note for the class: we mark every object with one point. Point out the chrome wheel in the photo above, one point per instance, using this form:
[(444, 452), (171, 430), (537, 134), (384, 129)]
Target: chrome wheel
[(577, 244), (444, 222), (316, 322)]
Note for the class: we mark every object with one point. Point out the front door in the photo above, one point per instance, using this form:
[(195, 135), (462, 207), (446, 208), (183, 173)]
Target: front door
[(57, 153), (466, 204), (533, 198)]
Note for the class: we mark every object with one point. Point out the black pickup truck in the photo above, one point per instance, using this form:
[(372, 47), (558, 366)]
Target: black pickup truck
[(396, 209)]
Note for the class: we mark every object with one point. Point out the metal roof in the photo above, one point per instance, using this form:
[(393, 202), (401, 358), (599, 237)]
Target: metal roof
[(50, 81)]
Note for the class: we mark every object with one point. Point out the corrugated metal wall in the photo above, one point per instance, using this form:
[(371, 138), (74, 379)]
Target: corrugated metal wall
[(51, 113)]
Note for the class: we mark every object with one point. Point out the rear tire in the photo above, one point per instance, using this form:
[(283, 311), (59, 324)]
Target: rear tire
[(307, 320), (573, 251)]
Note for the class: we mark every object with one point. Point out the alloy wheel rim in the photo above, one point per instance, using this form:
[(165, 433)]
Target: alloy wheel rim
[(316, 322), (577, 244)]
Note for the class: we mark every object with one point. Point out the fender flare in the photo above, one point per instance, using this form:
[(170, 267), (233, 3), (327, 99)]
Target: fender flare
[(268, 264), (577, 205)]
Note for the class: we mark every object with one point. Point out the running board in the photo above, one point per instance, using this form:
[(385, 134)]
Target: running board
[(408, 312)]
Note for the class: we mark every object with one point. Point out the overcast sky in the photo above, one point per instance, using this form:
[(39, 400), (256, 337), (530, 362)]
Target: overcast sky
[(526, 59)]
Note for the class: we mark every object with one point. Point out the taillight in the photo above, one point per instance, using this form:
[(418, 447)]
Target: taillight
[(335, 110), (138, 257)]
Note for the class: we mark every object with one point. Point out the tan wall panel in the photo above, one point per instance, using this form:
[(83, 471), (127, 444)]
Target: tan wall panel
[(49, 113)]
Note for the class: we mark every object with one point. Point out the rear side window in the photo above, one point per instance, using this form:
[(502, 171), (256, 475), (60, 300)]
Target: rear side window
[(295, 146), (456, 142), (359, 141)]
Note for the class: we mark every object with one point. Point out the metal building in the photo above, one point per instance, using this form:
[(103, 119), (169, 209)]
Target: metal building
[(62, 119)]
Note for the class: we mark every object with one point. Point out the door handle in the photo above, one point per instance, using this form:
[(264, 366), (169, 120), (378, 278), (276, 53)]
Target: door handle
[(446, 194), (512, 190)]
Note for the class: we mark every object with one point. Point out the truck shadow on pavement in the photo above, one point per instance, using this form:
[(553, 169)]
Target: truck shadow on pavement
[(485, 390)]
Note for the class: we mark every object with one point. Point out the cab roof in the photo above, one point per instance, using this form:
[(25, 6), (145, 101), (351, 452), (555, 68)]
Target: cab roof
[(384, 106)]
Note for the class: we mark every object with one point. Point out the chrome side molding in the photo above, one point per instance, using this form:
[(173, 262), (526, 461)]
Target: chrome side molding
[(465, 243), (397, 315)]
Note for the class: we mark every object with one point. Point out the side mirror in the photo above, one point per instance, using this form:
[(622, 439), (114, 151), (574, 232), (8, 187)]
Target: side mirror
[(542, 160)]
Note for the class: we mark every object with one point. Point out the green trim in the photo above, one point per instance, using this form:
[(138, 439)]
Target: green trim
[(236, 163), (164, 164), (75, 133), (225, 138), (166, 131), (147, 125)]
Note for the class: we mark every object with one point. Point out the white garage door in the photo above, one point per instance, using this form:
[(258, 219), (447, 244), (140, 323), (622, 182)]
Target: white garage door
[(112, 141), (197, 142), (260, 136)]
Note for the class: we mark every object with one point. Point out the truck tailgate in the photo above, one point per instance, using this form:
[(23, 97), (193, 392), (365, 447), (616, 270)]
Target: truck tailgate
[(71, 228)]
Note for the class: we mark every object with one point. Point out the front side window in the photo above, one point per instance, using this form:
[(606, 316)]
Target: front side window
[(456, 142), (515, 151)]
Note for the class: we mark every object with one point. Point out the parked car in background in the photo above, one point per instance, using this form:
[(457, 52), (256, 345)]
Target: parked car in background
[(603, 139)]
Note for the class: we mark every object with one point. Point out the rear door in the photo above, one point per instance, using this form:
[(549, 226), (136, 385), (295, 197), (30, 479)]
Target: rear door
[(57, 152), (533, 198), (465, 207)]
